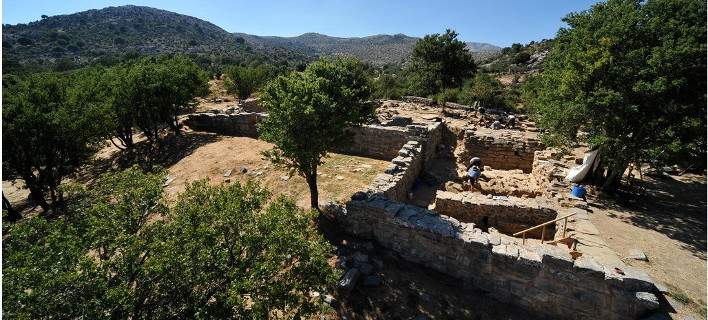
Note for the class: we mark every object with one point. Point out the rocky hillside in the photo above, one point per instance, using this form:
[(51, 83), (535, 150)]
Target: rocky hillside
[(377, 49), (94, 34)]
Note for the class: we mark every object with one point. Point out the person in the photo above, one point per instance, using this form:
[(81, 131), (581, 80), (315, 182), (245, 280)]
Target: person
[(473, 174), (474, 170), (511, 121)]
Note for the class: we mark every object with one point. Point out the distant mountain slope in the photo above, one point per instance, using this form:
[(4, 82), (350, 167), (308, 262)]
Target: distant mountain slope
[(94, 34), (91, 34), (377, 49)]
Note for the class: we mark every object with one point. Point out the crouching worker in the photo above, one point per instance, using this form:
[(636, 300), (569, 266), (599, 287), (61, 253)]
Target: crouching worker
[(474, 170), (473, 174)]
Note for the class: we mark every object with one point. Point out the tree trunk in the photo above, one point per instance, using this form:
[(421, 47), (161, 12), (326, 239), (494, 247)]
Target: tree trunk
[(614, 177), (314, 196), (12, 214), (38, 197)]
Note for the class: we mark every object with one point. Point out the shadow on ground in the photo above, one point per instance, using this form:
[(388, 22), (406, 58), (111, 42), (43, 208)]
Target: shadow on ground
[(408, 290), (171, 149), (673, 207)]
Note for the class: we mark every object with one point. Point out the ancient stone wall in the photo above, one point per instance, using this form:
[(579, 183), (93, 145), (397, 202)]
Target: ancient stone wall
[(543, 279), (376, 141), (508, 216), (235, 124), (431, 102), (399, 177), (501, 149), (405, 168)]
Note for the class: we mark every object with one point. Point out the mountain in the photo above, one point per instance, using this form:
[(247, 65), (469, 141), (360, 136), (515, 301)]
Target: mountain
[(114, 31), (95, 34), (377, 49)]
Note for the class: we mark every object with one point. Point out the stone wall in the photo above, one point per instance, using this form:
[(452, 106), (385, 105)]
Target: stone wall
[(543, 279), (507, 216), (431, 102), (501, 149), (399, 177), (376, 141), (405, 168), (235, 124)]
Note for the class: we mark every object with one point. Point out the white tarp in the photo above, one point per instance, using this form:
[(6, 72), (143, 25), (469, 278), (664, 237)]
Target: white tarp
[(590, 162)]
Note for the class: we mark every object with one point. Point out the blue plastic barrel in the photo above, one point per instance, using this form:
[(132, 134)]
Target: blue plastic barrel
[(578, 191)]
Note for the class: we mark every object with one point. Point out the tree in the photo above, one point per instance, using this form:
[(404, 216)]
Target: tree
[(485, 89), (522, 57), (439, 62), (160, 89), (244, 81), (516, 47), (310, 111), (387, 86), (631, 74), (224, 252), (51, 126)]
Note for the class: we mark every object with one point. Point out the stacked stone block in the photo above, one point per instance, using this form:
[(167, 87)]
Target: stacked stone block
[(501, 149), (236, 124), (508, 216), (375, 141), (399, 177), (543, 279)]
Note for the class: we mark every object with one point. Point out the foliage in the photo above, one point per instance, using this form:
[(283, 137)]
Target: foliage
[(482, 89), (631, 74), (52, 124), (439, 62), (487, 90), (387, 86), (220, 253), (244, 81), (158, 90), (90, 36), (309, 112)]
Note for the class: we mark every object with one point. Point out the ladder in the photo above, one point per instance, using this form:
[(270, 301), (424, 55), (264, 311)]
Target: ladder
[(543, 227)]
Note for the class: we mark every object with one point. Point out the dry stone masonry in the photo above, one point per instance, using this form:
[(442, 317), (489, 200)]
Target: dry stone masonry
[(544, 279), (233, 124), (501, 149), (453, 239), (508, 215)]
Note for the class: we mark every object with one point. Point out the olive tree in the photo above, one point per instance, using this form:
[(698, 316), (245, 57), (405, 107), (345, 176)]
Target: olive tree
[(310, 111), (52, 124), (244, 81), (216, 252), (438, 62), (630, 74)]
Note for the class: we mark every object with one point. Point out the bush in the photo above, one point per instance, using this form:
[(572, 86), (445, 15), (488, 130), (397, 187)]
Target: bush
[(223, 252), (52, 124), (244, 81)]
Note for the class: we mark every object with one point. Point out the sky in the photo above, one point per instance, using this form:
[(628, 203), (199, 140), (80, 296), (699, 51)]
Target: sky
[(499, 22)]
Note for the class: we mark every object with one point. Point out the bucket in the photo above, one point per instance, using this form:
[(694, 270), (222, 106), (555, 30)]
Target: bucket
[(578, 191)]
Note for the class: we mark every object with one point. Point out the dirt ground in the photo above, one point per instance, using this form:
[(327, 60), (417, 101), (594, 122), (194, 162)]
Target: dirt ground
[(338, 178), (668, 223)]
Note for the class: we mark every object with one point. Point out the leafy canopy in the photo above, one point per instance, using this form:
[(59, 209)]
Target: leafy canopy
[(631, 74), (439, 62), (52, 124), (309, 112), (244, 81), (160, 88), (219, 252)]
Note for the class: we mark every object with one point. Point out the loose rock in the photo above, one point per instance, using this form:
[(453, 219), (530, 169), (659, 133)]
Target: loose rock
[(349, 279)]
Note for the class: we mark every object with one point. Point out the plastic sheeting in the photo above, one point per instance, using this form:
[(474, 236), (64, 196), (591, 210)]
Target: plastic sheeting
[(590, 162)]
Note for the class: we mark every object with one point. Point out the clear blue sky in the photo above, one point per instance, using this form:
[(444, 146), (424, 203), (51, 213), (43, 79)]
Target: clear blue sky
[(500, 22)]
